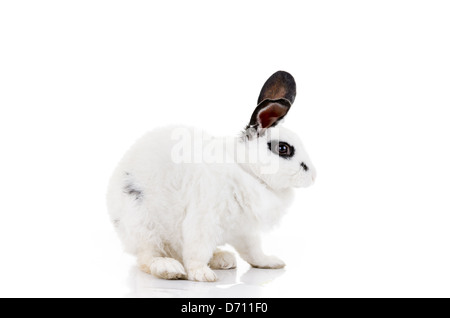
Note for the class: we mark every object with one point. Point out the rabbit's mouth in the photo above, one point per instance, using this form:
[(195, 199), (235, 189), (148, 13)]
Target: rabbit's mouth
[(303, 180)]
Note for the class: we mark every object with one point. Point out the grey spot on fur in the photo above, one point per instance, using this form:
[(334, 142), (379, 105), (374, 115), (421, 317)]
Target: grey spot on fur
[(131, 188), (116, 222)]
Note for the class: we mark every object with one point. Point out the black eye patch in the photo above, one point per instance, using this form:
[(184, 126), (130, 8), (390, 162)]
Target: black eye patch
[(281, 148)]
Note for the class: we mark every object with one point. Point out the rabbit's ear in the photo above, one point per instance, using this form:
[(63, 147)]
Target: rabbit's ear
[(274, 102), (280, 85)]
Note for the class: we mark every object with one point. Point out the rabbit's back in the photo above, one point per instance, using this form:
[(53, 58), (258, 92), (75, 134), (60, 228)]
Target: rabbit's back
[(154, 187)]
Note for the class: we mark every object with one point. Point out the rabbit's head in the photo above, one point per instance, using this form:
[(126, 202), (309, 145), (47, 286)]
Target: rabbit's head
[(275, 154)]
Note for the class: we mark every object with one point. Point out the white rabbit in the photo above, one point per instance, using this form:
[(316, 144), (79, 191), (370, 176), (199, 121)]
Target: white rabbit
[(172, 205)]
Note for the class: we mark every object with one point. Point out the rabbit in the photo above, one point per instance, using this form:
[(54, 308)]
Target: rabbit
[(173, 211)]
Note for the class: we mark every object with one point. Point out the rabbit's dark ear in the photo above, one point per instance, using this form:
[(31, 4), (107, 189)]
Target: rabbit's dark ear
[(274, 102), (269, 113), (280, 85)]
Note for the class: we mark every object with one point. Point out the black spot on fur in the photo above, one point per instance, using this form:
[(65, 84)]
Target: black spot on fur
[(305, 167)]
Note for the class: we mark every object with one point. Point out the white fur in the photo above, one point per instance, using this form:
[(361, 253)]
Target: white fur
[(174, 215)]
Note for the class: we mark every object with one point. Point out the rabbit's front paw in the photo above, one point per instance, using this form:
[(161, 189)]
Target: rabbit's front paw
[(201, 274), (268, 262), (166, 268)]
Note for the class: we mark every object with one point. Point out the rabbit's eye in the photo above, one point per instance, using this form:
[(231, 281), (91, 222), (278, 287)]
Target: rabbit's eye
[(283, 149)]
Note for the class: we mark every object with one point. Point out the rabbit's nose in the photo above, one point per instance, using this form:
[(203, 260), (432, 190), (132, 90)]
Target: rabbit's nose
[(313, 175)]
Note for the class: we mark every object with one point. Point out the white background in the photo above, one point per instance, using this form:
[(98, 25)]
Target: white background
[(81, 80)]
